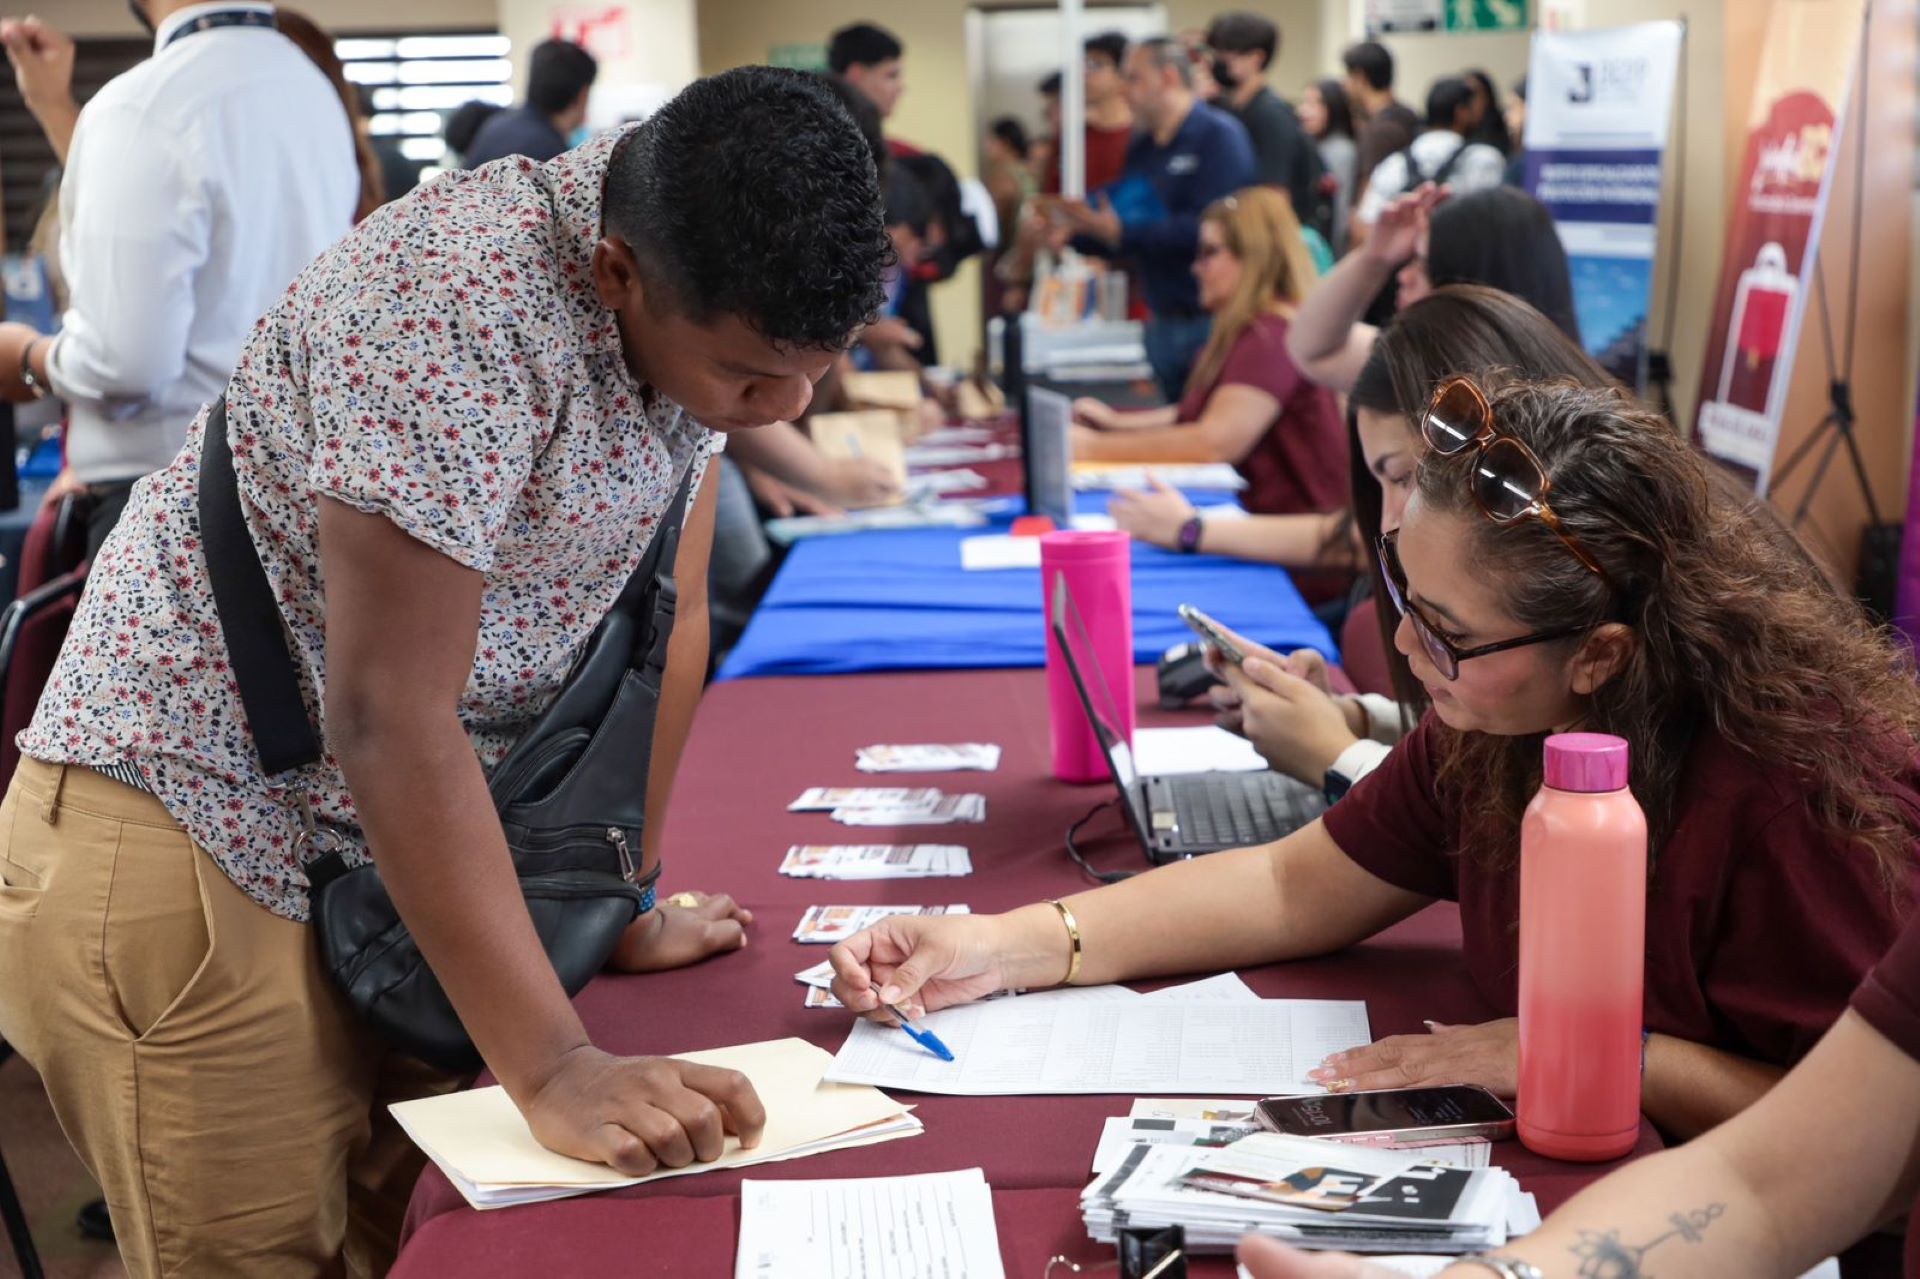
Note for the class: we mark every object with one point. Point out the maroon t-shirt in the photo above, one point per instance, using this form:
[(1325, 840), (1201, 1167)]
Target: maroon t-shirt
[(1760, 924), (1300, 465), (1106, 159), (1890, 1001)]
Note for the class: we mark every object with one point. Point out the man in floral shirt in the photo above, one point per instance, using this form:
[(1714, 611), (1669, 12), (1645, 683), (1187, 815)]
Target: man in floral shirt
[(453, 438)]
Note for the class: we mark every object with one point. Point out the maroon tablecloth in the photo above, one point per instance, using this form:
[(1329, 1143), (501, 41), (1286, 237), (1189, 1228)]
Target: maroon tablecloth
[(755, 746)]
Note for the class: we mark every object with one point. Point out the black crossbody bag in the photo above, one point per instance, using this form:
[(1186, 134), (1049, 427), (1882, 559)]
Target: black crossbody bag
[(571, 793)]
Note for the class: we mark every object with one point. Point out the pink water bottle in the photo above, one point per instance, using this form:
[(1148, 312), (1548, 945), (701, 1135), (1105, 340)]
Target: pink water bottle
[(1097, 569), (1583, 925)]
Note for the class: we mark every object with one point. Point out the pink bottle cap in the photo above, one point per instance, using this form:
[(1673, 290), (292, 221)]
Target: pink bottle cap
[(1072, 546), (1586, 763)]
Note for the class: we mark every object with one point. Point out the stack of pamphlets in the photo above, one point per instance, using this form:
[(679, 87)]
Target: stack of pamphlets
[(1315, 1194)]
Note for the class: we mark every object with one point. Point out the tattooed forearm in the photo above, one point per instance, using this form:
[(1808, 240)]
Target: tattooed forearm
[(1604, 1255)]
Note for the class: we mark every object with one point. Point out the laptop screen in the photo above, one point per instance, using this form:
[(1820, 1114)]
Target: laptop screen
[(1096, 698)]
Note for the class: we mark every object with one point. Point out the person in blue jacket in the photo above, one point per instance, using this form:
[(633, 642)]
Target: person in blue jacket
[(1186, 155)]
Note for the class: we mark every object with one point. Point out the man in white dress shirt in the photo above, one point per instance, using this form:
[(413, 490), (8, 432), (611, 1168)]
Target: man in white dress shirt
[(198, 184)]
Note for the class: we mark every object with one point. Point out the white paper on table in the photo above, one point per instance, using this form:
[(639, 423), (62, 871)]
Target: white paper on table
[(1224, 989), (876, 861), (932, 1226), (989, 551), (1099, 476), (985, 552), (1170, 752), (1046, 1044), (1122, 1133)]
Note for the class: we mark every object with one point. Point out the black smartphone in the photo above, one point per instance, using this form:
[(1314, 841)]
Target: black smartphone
[(1392, 1116)]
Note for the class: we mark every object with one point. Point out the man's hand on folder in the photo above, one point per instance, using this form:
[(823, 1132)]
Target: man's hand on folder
[(638, 1114)]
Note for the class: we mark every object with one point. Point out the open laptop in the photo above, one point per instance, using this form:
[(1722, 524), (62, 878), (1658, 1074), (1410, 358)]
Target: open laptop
[(1186, 815)]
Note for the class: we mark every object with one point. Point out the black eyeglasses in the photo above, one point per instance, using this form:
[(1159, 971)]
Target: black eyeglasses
[(1445, 655)]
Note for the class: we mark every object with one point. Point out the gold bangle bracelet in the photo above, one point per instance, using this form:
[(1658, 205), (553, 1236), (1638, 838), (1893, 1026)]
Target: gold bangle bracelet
[(1073, 937)]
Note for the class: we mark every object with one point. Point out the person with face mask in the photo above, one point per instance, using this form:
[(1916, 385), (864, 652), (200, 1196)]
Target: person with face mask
[(197, 186), (1244, 46)]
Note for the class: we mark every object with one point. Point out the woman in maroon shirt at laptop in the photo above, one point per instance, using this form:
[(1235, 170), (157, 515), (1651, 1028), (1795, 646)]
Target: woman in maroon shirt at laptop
[(1773, 736), (1246, 402)]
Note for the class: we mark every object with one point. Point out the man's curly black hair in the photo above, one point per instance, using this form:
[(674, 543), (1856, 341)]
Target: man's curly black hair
[(753, 193)]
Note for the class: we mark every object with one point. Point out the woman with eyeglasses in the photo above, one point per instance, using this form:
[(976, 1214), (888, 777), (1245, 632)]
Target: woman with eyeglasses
[(1566, 562), (1285, 706), (1245, 402)]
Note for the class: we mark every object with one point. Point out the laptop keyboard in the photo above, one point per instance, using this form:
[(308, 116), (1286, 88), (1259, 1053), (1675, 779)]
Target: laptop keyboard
[(1232, 810)]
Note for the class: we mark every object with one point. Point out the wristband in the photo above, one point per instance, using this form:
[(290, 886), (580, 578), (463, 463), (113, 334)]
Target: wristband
[(28, 378), (647, 900), (1190, 536), (1073, 938)]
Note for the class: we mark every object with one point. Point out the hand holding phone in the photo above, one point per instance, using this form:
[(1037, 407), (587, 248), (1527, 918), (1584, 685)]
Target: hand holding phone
[(1213, 633)]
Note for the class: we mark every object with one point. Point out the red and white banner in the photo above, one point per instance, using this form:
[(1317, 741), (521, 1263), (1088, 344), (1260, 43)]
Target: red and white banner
[(1779, 204)]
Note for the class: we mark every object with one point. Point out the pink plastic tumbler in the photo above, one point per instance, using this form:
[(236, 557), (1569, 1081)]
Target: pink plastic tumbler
[(1583, 925), (1098, 571)]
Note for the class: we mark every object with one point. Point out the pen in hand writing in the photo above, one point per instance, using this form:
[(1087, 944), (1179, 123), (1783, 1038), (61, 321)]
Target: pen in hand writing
[(925, 1038)]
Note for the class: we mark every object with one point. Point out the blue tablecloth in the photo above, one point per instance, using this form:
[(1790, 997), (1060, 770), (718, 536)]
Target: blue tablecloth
[(887, 601)]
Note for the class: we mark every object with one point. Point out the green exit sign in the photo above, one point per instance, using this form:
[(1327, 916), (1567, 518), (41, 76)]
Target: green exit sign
[(1486, 15), (801, 57)]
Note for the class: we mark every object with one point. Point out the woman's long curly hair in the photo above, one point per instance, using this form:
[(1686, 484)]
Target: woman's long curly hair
[(1737, 629)]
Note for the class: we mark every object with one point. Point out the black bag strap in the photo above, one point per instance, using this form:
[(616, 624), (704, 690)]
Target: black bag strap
[(249, 616), (257, 648)]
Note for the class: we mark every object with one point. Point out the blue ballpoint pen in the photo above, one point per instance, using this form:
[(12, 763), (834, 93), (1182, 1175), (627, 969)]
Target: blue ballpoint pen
[(925, 1038)]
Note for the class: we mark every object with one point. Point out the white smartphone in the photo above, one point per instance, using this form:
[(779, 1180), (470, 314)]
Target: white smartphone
[(1392, 1116), (1210, 631)]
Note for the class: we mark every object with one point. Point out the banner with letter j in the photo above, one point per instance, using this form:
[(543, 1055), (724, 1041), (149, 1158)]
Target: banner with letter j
[(1599, 104)]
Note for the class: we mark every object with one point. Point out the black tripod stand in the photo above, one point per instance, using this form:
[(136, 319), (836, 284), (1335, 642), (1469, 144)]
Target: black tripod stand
[(1836, 429)]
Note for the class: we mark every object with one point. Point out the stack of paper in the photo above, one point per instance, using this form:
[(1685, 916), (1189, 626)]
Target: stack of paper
[(936, 1226), (1319, 1194), (482, 1142), (1172, 752), (919, 514), (933, 484), (981, 757), (956, 454), (1131, 475), (1216, 1117), (890, 805), (875, 861), (823, 925), (1107, 1039)]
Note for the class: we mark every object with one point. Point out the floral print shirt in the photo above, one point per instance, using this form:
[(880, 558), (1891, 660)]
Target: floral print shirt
[(449, 367)]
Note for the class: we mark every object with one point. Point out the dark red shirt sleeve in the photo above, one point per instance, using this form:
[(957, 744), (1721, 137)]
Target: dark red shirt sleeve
[(1801, 924), (1890, 996), (1394, 827), (1259, 359)]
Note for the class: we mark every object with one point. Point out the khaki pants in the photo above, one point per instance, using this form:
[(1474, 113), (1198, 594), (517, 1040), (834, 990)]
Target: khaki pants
[(197, 1056)]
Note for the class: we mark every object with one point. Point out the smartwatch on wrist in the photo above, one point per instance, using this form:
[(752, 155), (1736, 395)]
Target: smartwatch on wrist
[(1190, 536), (1335, 786)]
